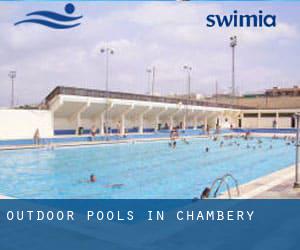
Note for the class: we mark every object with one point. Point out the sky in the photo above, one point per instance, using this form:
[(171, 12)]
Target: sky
[(144, 34)]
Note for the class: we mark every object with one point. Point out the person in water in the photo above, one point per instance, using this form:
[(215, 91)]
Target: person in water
[(205, 193), (185, 141), (93, 178), (207, 149), (117, 185), (172, 144)]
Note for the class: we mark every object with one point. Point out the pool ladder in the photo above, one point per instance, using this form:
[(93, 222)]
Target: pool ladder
[(223, 180)]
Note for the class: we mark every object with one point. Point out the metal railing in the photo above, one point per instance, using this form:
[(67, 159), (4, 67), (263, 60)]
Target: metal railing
[(220, 182), (60, 90)]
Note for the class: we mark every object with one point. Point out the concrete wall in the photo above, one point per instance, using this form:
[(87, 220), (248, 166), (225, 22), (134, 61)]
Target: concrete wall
[(284, 122), (250, 122), (22, 124), (266, 122), (280, 102), (64, 123)]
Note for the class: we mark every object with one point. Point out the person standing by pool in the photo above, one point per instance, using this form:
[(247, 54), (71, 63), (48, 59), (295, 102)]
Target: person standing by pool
[(274, 124), (119, 128), (93, 132), (36, 137), (207, 129)]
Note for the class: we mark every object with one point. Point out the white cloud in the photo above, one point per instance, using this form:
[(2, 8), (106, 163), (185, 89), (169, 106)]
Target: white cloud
[(167, 35)]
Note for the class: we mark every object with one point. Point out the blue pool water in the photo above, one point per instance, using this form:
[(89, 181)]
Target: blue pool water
[(147, 170)]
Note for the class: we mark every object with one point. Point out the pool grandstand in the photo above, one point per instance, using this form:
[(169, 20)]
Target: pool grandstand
[(117, 112), (83, 115)]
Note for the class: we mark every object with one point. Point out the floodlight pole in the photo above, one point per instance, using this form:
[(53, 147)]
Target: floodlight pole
[(12, 75), (153, 80), (297, 182), (217, 90), (107, 51), (188, 69), (233, 44), (149, 72)]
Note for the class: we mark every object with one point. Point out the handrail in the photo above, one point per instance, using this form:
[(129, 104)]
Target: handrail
[(220, 181), (235, 182)]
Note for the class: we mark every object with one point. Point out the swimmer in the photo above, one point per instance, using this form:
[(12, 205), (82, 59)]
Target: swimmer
[(174, 144), (92, 178), (207, 149), (270, 147), (117, 185), (205, 193), (185, 141), (248, 146), (50, 147)]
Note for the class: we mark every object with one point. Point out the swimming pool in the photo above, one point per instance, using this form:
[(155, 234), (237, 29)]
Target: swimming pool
[(147, 170)]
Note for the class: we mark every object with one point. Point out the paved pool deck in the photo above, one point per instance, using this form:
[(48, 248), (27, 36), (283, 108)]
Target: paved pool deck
[(277, 185)]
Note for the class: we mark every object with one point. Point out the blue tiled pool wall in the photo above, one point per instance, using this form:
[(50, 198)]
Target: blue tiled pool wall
[(111, 131), (149, 133), (266, 130)]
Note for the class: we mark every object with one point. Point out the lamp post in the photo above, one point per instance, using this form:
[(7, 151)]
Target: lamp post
[(12, 75), (107, 51), (149, 72), (153, 79), (233, 44), (217, 91), (153, 72), (297, 181), (188, 69)]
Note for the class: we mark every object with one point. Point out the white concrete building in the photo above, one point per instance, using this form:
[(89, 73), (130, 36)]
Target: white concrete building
[(74, 108), (69, 109)]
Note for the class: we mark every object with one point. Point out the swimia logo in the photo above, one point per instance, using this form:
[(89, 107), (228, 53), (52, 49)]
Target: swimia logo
[(52, 19), (240, 20)]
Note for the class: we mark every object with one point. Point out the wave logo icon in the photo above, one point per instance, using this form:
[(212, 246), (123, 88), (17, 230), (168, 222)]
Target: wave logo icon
[(53, 20)]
